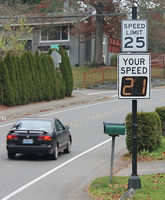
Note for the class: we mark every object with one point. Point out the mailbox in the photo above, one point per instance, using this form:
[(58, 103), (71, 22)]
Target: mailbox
[(114, 129)]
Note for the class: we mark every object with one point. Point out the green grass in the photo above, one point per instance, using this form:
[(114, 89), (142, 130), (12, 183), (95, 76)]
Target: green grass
[(152, 185), (158, 154), (78, 76), (92, 78), (97, 77)]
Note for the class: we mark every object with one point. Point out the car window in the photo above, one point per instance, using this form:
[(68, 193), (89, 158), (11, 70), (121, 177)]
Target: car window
[(59, 126), (33, 125)]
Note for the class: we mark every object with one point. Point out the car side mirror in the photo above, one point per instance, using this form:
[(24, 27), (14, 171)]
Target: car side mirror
[(67, 127)]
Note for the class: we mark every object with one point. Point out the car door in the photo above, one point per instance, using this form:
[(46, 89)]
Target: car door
[(60, 132)]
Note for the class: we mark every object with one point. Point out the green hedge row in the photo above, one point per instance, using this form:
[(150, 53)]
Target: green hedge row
[(161, 113), (149, 131), (30, 78)]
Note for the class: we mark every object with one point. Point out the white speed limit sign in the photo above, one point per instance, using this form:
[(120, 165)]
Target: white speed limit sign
[(134, 35)]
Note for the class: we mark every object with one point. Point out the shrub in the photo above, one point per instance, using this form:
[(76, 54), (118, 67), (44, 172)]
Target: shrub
[(148, 131), (161, 113), (12, 76), (114, 60), (7, 90), (66, 71)]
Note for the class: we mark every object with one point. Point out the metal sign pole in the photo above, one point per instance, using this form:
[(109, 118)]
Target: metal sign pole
[(112, 157), (134, 181)]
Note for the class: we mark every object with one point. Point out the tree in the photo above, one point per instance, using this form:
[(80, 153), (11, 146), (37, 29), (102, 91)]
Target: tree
[(152, 10), (10, 39), (66, 72), (8, 94), (93, 26), (105, 22)]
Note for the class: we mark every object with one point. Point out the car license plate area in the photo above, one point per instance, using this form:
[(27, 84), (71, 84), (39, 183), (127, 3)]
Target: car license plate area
[(27, 141)]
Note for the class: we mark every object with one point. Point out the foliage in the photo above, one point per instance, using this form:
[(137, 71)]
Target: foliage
[(152, 187), (66, 71), (29, 78), (100, 25), (161, 113), (31, 1), (10, 38), (152, 11), (148, 132), (114, 60), (7, 94)]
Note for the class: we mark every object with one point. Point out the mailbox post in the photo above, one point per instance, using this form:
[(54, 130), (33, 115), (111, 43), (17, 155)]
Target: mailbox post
[(113, 130)]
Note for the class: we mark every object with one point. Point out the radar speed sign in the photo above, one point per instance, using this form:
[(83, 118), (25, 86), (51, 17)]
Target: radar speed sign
[(133, 76)]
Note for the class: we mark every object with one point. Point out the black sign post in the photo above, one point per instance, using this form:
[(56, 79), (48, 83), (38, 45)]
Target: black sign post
[(134, 181)]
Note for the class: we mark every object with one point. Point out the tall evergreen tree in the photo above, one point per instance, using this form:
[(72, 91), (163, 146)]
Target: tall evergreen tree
[(7, 87), (28, 78), (18, 83), (66, 71), (47, 78), (40, 76), (12, 75), (1, 85), (31, 68), (23, 87)]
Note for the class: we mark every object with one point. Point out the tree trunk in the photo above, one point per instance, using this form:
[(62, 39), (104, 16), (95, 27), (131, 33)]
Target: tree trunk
[(98, 51)]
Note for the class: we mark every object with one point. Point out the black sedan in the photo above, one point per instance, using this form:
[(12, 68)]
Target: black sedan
[(38, 136)]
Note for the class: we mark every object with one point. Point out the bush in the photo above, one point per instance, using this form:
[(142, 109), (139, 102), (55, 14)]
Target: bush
[(148, 131), (66, 71), (161, 113), (114, 60), (31, 78), (6, 90)]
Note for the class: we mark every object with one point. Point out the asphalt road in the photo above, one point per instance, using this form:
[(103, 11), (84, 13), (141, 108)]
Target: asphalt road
[(68, 177)]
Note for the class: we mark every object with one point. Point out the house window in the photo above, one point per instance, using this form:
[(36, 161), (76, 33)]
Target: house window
[(64, 33), (54, 33)]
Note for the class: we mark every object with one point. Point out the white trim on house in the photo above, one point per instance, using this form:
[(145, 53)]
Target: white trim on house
[(61, 40)]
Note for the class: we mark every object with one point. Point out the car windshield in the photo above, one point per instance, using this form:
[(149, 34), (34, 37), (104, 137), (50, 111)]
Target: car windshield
[(44, 125)]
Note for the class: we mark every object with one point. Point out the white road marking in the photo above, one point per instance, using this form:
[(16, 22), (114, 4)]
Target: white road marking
[(53, 170), (94, 93), (61, 111), (79, 107)]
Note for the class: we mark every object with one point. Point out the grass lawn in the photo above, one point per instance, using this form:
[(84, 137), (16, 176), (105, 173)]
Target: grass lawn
[(96, 77), (78, 76), (153, 185), (92, 78)]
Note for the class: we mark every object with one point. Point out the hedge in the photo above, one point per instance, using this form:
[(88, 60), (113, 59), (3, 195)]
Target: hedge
[(161, 113), (66, 71), (30, 78), (148, 131)]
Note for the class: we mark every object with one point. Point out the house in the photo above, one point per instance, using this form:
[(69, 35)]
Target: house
[(52, 30)]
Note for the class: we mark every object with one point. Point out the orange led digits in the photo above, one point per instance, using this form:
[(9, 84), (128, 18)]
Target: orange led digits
[(134, 86), (126, 88)]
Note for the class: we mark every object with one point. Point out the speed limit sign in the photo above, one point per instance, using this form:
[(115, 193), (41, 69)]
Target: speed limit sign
[(134, 35)]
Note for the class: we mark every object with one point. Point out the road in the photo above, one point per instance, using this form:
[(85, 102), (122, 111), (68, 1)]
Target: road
[(30, 177)]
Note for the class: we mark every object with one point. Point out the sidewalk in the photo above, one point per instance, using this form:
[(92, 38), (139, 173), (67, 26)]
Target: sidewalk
[(150, 167)]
